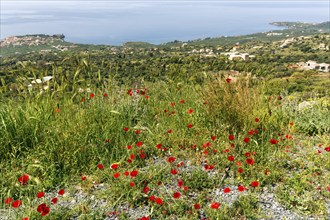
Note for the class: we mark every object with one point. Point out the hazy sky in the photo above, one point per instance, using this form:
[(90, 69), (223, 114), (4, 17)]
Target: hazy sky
[(151, 20)]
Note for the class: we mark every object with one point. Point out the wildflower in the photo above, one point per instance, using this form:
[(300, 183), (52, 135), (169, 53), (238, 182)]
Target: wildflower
[(213, 138), (23, 179), (226, 190), (180, 183), (190, 126), (40, 195), (231, 158), (137, 131), (54, 200), (240, 170), (241, 188), (231, 137), (255, 184), (173, 171), (134, 173), (247, 154), (100, 166), (247, 140), (57, 110), (139, 144), (129, 147), (256, 120), (171, 159), (172, 104), (291, 123), (159, 201), (125, 129), (142, 155), (190, 111), (327, 149), (185, 188), (114, 166), (130, 92), (92, 95), (8, 200), (146, 189), (61, 192), (228, 80), (250, 161), (43, 209), (16, 203), (169, 131), (159, 146), (105, 95), (176, 195), (215, 205), (132, 184), (197, 206), (182, 101), (116, 175), (267, 172), (126, 173), (273, 141)]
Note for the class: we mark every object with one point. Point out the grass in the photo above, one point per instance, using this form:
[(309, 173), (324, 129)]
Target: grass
[(58, 137)]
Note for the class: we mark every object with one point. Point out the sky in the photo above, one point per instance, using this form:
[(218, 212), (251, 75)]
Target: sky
[(154, 21)]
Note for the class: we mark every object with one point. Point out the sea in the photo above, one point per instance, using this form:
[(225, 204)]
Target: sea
[(158, 21)]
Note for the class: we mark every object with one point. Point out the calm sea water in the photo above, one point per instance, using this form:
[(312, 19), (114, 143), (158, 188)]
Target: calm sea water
[(116, 22)]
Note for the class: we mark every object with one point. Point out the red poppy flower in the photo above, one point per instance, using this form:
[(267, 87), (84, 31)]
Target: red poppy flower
[(173, 171), (8, 200), (267, 172), (146, 189), (130, 92), (185, 188), (40, 194), (126, 129), (257, 120), (132, 156), (100, 166), (176, 195), (181, 101), (23, 179), (114, 166), (169, 131), (213, 138), (152, 198), (241, 188), (159, 146), (226, 190), (25, 218), (134, 173), (16, 203), (327, 149), (273, 141), (215, 205), (255, 184), (61, 192), (231, 137), (180, 183), (208, 167), (197, 206), (228, 80), (92, 95), (240, 170), (116, 175), (142, 155), (231, 158), (132, 184), (172, 104), (247, 140), (279, 97), (171, 159), (247, 154), (250, 161), (190, 111), (291, 123), (54, 200), (105, 95), (189, 125), (43, 209), (137, 131), (159, 201)]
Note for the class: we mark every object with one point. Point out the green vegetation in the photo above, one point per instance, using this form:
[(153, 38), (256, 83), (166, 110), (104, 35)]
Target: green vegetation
[(169, 133)]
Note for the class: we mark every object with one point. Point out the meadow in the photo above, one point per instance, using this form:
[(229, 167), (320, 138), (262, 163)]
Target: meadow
[(102, 149)]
